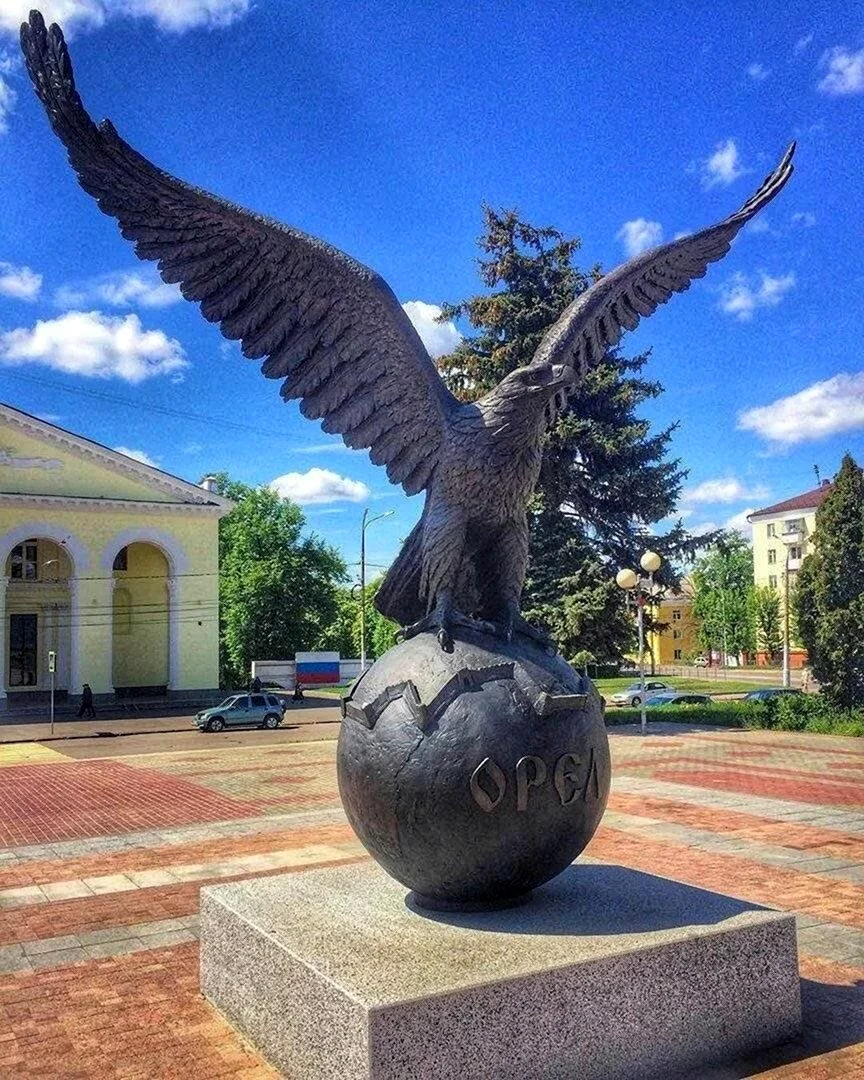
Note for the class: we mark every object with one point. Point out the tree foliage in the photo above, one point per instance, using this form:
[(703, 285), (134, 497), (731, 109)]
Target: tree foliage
[(768, 619), (606, 477), (342, 635), (723, 596), (829, 596), (278, 589)]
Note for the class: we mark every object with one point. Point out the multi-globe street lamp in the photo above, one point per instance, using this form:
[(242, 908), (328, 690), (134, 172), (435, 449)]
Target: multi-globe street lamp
[(643, 591)]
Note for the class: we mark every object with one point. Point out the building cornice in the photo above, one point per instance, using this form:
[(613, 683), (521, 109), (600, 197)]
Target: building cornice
[(68, 502), (190, 494)]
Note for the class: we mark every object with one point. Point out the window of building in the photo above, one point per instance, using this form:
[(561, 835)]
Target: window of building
[(676, 614), (25, 561), (772, 581), (772, 556), (676, 635), (677, 654), (121, 559), (771, 530), (22, 650), (795, 551)]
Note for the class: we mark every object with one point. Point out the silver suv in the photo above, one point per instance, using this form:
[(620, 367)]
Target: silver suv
[(262, 710)]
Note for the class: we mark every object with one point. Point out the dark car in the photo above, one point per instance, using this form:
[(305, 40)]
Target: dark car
[(771, 691), (659, 700)]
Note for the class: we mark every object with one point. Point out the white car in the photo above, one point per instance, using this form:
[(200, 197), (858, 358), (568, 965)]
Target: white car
[(700, 661), (633, 694)]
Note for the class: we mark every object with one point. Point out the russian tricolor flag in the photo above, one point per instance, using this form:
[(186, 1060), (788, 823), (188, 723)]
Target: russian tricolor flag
[(316, 667)]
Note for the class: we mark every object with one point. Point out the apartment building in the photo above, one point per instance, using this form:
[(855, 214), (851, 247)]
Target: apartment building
[(782, 537)]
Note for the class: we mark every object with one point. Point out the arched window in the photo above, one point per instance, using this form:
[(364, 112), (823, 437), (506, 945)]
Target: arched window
[(121, 559)]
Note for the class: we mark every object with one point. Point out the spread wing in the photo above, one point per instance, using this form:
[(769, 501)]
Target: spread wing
[(595, 321), (329, 326)]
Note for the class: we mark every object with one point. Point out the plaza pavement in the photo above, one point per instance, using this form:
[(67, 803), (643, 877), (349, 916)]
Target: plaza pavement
[(102, 858)]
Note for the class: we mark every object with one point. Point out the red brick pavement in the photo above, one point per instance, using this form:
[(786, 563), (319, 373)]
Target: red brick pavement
[(744, 878), (800, 789), (50, 802), (142, 1012), (734, 823), (39, 871), (135, 1017)]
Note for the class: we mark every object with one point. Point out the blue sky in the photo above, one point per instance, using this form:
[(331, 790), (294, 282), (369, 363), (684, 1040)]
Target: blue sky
[(382, 127)]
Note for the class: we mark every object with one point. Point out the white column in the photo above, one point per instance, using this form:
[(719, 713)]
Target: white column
[(4, 643), (173, 633), (74, 633)]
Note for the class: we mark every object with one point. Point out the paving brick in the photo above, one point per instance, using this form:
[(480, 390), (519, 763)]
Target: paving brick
[(47, 945), (65, 890)]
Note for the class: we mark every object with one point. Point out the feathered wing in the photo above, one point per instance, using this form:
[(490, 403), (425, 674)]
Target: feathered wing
[(595, 321), (329, 326)]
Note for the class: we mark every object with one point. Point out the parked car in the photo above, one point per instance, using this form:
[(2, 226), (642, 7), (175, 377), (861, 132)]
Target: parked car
[(262, 710), (674, 698), (700, 661), (633, 693), (771, 691)]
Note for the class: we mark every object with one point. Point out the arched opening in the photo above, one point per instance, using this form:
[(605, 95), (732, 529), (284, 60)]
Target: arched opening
[(38, 616), (140, 619)]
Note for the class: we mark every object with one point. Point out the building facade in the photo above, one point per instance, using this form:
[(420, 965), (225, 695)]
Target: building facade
[(108, 564), (782, 538), (677, 642)]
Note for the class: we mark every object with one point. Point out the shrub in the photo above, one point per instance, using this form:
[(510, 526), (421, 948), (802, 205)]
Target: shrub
[(795, 712)]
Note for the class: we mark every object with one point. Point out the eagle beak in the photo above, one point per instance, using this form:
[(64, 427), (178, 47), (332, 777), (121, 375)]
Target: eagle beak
[(562, 375)]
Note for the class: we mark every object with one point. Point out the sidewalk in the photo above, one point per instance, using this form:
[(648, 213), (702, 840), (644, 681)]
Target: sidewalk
[(88, 729)]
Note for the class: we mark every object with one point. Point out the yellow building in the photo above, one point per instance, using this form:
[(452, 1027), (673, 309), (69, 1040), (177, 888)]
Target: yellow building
[(782, 538), (110, 564), (678, 641)]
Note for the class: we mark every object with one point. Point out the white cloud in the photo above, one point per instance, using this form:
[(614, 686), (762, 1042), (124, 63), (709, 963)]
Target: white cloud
[(439, 338), (639, 235), (758, 72), (845, 72), (94, 345), (121, 289), (739, 523), (325, 448), (759, 225), (740, 296), (723, 166), (71, 14), (8, 97), (19, 282), (319, 486), (725, 489), (172, 15), (804, 220), (802, 44), (137, 455), (825, 408)]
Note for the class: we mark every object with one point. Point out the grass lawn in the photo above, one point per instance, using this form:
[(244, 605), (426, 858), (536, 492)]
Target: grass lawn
[(731, 685)]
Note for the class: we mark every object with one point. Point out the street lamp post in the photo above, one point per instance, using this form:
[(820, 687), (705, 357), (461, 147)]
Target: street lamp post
[(787, 681), (367, 521), (643, 589)]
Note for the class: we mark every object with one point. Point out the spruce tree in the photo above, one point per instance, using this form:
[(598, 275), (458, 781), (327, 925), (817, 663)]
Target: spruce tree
[(606, 477), (829, 594)]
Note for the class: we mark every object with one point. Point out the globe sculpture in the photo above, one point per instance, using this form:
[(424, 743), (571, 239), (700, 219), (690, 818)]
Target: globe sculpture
[(478, 778), (473, 763)]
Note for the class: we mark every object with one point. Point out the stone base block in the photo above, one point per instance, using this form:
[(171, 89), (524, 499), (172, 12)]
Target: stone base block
[(605, 974)]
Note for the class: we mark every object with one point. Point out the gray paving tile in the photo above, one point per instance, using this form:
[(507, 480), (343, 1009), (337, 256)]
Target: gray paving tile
[(49, 945), (100, 937), (61, 958)]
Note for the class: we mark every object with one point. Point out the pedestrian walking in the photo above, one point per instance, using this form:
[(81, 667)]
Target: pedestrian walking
[(86, 707), (255, 685)]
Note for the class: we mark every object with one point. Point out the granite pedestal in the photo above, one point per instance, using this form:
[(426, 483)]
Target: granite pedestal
[(604, 974)]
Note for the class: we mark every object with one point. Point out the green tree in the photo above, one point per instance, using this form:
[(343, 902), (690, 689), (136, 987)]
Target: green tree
[(606, 477), (278, 589), (829, 596), (769, 625), (723, 596), (342, 635)]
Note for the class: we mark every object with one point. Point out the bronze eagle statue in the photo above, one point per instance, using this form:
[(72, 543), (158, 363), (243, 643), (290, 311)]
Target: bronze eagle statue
[(335, 333)]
